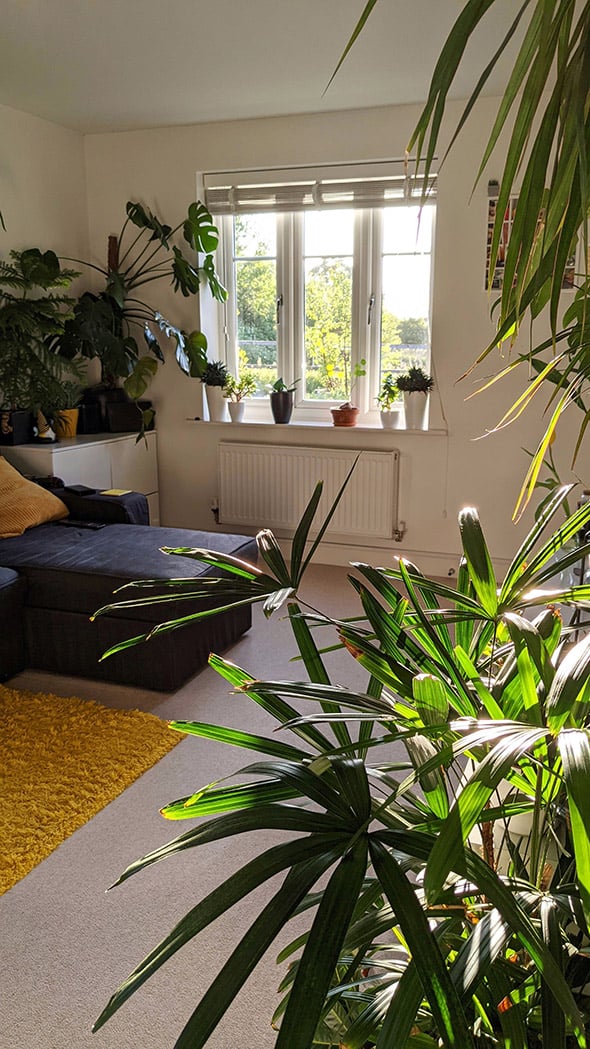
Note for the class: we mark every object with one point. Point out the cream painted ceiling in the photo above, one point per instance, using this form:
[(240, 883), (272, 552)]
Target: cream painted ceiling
[(107, 65)]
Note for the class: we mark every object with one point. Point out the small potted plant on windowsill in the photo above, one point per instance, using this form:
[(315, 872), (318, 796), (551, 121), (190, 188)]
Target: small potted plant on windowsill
[(281, 400), (347, 413), (214, 377), (415, 386), (235, 390), (388, 396)]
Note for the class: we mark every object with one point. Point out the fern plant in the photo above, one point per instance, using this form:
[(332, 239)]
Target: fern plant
[(33, 315)]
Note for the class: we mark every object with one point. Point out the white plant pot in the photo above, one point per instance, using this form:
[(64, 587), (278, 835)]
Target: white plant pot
[(236, 410), (416, 409), (393, 420), (216, 403)]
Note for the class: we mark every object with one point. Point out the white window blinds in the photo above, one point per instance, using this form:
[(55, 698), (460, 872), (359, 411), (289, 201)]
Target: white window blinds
[(374, 184)]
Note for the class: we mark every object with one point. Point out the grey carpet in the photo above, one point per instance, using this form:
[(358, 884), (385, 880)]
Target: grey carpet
[(65, 945)]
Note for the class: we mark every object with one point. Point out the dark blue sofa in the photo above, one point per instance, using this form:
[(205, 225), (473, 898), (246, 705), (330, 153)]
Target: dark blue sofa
[(55, 576)]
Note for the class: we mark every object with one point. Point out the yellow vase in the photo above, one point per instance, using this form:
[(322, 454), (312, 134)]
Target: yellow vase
[(66, 423)]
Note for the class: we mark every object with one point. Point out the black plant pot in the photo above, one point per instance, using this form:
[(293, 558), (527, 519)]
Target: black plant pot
[(16, 427), (281, 404), (103, 396), (89, 418)]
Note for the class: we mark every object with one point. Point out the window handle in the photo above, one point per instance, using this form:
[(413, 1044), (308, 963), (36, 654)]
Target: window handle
[(370, 309), (279, 307)]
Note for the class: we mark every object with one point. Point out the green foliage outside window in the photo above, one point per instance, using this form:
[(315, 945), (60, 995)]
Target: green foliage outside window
[(328, 296)]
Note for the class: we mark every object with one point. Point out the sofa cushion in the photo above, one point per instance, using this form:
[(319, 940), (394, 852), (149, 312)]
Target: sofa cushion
[(77, 569), (24, 504)]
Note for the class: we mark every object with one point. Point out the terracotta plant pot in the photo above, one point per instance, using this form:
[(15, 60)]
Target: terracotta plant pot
[(345, 416)]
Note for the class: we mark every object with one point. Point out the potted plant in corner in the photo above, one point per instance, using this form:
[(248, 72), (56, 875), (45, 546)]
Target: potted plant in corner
[(122, 331), (32, 318), (347, 413), (388, 396), (281, 400), (235, 391), (415, 385), (214, 378)]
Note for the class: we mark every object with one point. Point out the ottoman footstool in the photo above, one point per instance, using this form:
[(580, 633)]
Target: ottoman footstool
[(71, 570)]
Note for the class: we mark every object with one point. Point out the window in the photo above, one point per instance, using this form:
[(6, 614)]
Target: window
[(329, 279)]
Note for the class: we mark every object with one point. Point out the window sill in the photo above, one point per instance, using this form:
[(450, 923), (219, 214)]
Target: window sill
[(323, 426)]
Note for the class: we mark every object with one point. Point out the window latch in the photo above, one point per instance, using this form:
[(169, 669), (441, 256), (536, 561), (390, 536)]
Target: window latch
[(279, 307), (370, 309)]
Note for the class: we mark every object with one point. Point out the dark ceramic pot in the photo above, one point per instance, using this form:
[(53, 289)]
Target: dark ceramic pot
[(281, 404), (16, 427)]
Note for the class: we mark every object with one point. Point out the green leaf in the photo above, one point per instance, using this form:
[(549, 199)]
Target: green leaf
[(302, 532), (431, 699), (211, 799), (281, 817), (318, 962), (357, 31), (247, 954), (270, 553), (501, 896), (518, 563), (452, 1024), (466, 811), (269, 701), (137, 383), (481, 571), (569, 694), (553, 1019), (401, 1014), (574, 748), (224, 562), (326, 522), (199, 229), (238, 738), (185, 277), (315, 667)]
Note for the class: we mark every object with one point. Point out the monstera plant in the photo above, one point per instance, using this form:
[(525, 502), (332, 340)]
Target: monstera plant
[(106, 325), (428, 915)]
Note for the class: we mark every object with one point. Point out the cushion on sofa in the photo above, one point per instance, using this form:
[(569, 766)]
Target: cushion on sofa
[(24, 504)]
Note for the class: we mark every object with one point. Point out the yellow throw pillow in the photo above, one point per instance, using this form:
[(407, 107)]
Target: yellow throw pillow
[(24, 504)]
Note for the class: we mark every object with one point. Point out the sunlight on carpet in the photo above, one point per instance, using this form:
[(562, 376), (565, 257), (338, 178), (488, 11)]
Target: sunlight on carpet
[(62, 761)]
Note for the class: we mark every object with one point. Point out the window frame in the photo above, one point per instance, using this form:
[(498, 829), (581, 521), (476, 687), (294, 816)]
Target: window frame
[(367, 287)]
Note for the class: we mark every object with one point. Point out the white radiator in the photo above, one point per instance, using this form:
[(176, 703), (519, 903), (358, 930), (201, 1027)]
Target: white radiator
[(269, 486)]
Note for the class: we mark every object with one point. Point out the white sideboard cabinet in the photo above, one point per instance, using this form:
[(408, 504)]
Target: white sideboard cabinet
[(99, 460)]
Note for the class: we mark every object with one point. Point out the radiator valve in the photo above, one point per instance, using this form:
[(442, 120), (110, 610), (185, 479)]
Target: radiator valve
[(399, 532)]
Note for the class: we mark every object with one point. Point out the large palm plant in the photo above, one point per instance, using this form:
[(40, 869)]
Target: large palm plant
[(546, 107), (474, 715)]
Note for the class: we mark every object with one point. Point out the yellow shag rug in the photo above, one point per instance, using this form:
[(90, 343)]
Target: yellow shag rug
[(61, 762)]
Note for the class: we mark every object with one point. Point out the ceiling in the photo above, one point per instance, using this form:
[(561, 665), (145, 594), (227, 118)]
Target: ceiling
[(109, 65)]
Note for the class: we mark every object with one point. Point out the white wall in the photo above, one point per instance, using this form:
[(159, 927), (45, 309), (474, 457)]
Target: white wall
[(42, 186), (440, 472)]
